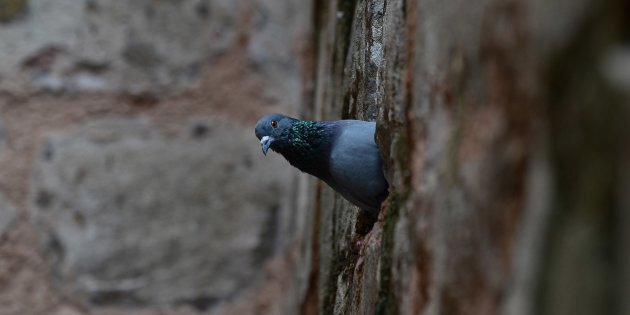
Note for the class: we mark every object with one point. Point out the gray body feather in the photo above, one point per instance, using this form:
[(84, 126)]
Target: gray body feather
[(355, 165)]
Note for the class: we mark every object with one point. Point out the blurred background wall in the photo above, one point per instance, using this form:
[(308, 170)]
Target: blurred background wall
[(131, 181)]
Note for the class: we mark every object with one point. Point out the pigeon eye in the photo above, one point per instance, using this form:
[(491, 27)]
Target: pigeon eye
[(274, 123)]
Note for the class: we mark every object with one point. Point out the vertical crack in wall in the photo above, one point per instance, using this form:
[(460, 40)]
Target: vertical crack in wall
[(374, 57), (344, 16)]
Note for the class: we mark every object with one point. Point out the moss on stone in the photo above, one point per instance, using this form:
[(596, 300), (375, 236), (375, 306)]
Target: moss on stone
[(10, 9)]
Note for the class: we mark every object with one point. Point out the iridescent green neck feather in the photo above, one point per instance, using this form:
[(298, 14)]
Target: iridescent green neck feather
[(306, 145)]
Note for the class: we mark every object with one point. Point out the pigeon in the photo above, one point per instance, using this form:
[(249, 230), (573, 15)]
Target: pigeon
[(341, 153)]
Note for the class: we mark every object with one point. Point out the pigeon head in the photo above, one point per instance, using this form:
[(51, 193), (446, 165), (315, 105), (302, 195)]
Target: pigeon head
[(272, 130), (305, 144)]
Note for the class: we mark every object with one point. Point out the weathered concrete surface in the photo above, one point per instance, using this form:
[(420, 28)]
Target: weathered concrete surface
[(488, 115), (131, 218)]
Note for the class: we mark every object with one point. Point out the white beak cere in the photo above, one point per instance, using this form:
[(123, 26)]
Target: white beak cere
[(265, 142)]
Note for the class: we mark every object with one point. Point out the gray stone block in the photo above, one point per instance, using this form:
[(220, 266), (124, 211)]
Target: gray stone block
[(129, 217)]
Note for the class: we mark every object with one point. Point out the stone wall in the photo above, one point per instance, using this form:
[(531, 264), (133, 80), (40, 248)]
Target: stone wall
[(502, 128), (131, 181)]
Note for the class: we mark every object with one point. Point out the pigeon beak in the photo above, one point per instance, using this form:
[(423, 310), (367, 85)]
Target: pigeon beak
[(265, 142)]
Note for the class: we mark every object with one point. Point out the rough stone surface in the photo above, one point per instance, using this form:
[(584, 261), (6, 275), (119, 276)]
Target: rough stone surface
[(142, 46), (132, 218), (349, 85), (191, 68), (482, 112), (502, 125)]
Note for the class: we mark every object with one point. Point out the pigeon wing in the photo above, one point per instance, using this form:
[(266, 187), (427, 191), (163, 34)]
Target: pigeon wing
[(355, 165)]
